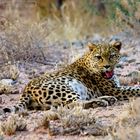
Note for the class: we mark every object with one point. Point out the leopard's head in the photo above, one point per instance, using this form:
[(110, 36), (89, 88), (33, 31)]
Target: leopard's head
[(103, 57)]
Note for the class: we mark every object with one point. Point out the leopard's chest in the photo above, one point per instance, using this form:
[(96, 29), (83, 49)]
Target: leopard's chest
[(81, 89)]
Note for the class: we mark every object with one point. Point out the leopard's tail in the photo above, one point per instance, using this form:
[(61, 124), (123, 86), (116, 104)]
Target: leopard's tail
[(20, 106)]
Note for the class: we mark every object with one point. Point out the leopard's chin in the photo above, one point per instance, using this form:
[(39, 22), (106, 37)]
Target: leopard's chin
[(108, 74)]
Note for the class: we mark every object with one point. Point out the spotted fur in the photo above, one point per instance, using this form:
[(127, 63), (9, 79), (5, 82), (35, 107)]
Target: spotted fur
[(89, 81)]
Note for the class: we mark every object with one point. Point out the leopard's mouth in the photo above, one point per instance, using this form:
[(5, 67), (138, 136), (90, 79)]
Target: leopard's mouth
[(108, 74)]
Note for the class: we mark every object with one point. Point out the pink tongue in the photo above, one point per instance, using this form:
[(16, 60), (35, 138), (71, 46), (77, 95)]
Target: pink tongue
[(109, 74)]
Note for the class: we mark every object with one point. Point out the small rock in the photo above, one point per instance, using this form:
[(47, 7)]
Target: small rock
[(134, 74), (123, 59), (7, 82), (78, 44), (131, 60), (0, 100), (1, 138), (97, 38), (119, 66)]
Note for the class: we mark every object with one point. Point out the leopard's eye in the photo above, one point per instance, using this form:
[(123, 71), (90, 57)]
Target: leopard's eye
[(98, 57)]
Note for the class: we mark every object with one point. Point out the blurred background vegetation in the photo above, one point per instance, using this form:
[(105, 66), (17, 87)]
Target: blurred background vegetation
[(31, 24), (84, 14)]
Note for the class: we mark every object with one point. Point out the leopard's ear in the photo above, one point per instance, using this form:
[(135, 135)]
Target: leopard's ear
[(116, 43), (91, 46)]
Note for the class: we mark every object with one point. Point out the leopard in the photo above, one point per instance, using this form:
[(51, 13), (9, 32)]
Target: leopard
[(90, 82)]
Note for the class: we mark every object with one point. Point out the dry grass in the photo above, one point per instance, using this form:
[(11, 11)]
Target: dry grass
[(77, 122), (76, 117), (22, 41), (29, 39), (74, 121), (128, 122), (44, 121), (26, 40), (81, 122), (8, 75), (9, 71), (5, 88), (128, 14), (12, 124)]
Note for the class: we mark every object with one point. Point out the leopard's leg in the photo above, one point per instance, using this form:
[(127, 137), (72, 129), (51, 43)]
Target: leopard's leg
[(120, 92), (21, 106), (94, 103), (110, 99), (102, 101)]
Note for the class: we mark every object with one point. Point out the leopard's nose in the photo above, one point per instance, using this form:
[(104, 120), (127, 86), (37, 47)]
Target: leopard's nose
[(107, 66)]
